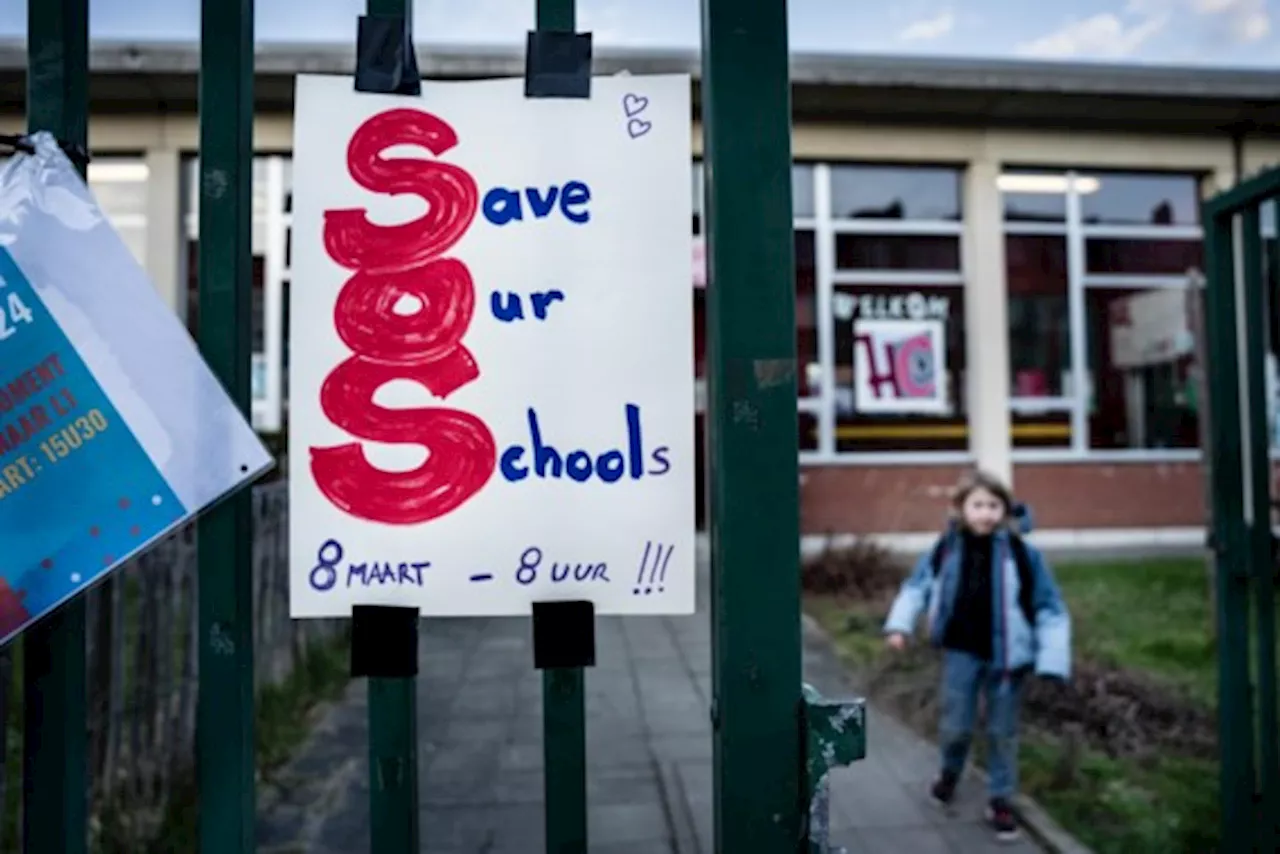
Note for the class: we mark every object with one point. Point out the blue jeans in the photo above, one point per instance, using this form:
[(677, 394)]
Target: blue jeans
[(963, 677)]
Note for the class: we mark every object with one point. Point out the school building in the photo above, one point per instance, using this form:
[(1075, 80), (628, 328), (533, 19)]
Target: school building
[(1037, 220)]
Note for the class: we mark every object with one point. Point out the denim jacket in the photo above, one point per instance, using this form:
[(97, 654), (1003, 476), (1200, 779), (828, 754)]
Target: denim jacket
[(1044, 646)]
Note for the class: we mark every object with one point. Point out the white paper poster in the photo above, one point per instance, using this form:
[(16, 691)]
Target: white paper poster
[(899, 366), (491, 381), (1150, 328)]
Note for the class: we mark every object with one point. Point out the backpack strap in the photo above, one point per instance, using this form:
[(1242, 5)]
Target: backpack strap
[(1026, 578), (939, 555)]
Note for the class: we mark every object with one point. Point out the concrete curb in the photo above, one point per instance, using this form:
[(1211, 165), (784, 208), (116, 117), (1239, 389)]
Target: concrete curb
[(1047, 832), (1037, 823)]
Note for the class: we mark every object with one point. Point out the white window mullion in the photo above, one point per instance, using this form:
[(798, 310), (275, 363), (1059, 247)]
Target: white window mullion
[(1077, 328), (824, 263)]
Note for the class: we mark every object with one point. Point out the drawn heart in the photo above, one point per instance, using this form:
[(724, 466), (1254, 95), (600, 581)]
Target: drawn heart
[(638, 128), (634, 105)]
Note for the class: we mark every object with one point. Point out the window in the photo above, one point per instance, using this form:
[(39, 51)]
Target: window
[(906, 193), (863, 428), (897, 310), (1140, 358), (1040, 347), (1039, 339), (120, 186), (1097, 267), (1139, 200), (272, 182), (808, 374)]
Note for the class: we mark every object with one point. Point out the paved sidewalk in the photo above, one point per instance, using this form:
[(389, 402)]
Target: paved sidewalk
[(648, 751)]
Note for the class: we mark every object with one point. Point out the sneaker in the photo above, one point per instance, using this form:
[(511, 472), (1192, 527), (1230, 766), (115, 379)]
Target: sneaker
[(1000, 817), (943, 790)]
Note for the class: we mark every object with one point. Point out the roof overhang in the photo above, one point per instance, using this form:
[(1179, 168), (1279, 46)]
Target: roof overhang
[(147, 77)]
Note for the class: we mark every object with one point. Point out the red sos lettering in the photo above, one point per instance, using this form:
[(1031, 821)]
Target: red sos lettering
[(389, 263)]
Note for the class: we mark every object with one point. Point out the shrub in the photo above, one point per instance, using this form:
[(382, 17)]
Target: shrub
[(864, 570)]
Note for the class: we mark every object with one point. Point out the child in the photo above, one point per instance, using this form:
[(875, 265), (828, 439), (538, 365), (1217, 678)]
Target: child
[(995, 611)]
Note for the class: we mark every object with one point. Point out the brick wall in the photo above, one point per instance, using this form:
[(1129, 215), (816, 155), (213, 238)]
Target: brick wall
[(883, 499)]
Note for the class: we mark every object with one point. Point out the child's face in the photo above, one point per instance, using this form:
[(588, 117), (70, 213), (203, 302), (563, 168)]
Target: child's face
[(982, 511)]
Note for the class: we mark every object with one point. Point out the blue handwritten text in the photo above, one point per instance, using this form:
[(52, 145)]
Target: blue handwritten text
[(579, 464), (531, 564), (326, 574), (502, 205), (509, 307)]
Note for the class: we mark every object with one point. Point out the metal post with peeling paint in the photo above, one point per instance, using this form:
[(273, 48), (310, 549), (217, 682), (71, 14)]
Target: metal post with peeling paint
[(225, 714), (835, 735), (752, 427)]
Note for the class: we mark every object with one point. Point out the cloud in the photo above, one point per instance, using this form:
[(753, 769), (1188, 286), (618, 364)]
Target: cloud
[(1244, 20), (929, 29), (1235, 21), (1105, 35)]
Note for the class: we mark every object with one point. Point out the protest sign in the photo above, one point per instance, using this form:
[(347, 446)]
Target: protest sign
[(113, 430), (491, 383)]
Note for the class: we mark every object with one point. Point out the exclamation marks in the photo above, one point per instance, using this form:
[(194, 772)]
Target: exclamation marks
[(653, 568)]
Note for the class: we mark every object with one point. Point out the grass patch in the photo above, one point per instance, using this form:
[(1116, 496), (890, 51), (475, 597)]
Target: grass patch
[(1149, 619), (1151, 616), (283, 717), (283, 720), (1125, 805)]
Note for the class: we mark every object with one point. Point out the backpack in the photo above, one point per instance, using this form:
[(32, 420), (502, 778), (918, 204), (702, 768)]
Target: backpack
[(1026, 577)]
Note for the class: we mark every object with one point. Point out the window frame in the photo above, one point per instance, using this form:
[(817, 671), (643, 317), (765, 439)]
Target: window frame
[(1076, 232), (827, 227), (273, 186)]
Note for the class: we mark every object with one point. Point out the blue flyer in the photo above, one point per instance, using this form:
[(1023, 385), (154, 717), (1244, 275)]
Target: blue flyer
[(113, 430)]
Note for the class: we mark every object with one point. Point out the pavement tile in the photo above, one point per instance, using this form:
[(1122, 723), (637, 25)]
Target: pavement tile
[(648, 738)]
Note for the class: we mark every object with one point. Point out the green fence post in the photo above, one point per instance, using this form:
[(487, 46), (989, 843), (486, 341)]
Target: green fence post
[(564, 714), (564, 745), (754, 476), (393, 765), (225, 714), (394, 810), (1235, 720), (1261, 563), (55, 772)]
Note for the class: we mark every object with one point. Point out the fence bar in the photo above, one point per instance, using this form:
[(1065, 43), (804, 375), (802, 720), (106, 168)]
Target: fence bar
[(393, 709), (1258, 470), (1235, 720), (393, 764), (754, 476), (564, 717), (55, 748), (225, 733), (564, 725)]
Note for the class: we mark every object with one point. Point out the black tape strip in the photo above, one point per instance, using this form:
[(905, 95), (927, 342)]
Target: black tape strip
[(384, 641), (386, 62), (557, 65), (17, 142), (564, 634), (77, 154)]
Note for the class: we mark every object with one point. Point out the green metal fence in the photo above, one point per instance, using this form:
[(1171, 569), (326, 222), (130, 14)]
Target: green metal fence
[(773, 741), (1240, 294), (55, 769)]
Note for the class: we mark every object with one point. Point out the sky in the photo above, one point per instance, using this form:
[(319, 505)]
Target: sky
[(1223, 33)]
